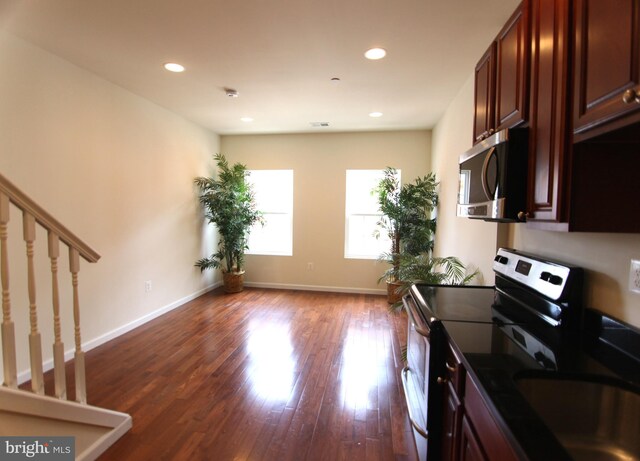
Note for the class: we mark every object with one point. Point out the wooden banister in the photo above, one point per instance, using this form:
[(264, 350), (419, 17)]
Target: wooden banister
[(26, 204), (33, 213)]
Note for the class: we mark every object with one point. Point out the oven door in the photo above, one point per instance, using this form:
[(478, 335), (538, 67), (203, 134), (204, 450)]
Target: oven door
[(415, 376)]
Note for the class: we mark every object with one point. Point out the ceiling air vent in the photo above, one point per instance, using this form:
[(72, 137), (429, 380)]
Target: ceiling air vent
[(319, 124)]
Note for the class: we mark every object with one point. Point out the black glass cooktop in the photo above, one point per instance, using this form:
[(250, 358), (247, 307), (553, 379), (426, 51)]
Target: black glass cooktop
[(459, 303)]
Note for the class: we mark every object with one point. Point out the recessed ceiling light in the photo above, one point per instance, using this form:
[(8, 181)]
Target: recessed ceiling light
[(375, 53), (246, 119), (375, 114), (174, 67)]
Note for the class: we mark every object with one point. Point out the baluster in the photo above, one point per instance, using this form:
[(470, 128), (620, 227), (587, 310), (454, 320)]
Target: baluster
[(35, 343), (8, 330), (81, 386), (58, 346)]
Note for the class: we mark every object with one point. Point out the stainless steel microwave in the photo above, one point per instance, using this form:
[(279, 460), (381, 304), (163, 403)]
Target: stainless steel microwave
[(493, 177)]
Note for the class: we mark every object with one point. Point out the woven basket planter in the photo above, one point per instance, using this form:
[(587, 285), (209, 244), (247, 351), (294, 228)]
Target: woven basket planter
[(233, 281), (393, 292)]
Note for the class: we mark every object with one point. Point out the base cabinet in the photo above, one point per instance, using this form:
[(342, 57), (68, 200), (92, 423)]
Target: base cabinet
[(469, 431), (469, 445), (451, 423), (490, 438)]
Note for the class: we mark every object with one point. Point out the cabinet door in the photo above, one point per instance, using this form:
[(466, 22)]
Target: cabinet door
[(483, 117), (549, 142), (451, 423), (512, 70), (470, 449), (607, 65)]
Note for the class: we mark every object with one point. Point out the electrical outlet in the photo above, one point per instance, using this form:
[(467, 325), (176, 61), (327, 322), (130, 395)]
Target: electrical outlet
[(147, 286), (634, 276)]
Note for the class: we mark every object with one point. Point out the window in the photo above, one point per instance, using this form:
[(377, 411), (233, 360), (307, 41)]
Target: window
[(362, 214), (273, 191)]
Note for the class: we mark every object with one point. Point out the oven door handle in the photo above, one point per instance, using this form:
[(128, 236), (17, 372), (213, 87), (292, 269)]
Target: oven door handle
[(417, 322), (405, 386)]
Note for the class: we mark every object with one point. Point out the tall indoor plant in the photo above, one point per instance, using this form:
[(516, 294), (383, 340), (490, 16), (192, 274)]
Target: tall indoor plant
[(229, 203), (408, 220)]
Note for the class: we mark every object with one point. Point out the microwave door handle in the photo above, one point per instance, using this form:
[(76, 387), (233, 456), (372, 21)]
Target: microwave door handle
[(485, 173)]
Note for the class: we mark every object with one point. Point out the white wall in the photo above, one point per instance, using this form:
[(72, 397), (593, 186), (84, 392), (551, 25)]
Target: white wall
[(115, 169), (319, 162), (606, 257), (474, 242)]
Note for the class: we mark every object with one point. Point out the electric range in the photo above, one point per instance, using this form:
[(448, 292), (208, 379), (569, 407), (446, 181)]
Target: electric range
[(530, 316)]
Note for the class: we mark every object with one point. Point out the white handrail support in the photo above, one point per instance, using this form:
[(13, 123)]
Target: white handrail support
[(33, 213), (8, 330)]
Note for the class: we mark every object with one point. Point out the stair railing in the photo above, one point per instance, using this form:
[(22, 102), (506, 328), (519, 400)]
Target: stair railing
[(33, 214)]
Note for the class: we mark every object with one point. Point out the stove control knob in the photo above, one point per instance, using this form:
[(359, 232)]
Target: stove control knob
[(501, 259), (555, 280), (552, 279), (544, 360)]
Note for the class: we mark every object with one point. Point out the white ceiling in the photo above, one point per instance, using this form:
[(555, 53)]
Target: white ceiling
[(280, 55)]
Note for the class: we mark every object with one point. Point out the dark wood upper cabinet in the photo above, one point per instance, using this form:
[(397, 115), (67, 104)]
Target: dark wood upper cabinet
[(571, 71), (548, 136), (502, 78), (512, 70), (607, 66), (483, 116)]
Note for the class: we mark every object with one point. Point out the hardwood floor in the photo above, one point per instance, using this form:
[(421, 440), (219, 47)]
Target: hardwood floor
[(259, 375)]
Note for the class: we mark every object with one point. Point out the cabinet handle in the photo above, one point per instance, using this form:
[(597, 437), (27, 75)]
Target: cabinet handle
[(449, 367), (631, 96), (523, 215), (441, 380), (491, 131)]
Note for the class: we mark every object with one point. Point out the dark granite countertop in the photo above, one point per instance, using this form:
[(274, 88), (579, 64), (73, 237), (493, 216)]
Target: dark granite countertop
[(496, 361)]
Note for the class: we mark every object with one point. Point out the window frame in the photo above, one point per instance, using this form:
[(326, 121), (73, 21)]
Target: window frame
[(382, 247), (288, 251)]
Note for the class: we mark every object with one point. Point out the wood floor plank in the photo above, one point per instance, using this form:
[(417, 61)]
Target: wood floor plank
[(258, 375)]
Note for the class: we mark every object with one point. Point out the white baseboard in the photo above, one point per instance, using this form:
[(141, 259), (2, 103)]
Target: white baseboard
[(285, 286), (47, 365)]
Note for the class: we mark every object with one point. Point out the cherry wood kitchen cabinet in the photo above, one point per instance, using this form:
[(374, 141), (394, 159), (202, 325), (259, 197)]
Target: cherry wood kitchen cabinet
[(502, 78), (606, 66), (452, 420), (482, 438), (469, 431), (452, 386), (484, 99), (586, 186), (549, 142), (469, 446)]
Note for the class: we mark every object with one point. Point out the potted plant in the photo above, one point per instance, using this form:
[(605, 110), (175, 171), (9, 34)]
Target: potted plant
[(229, 203), (407, 218), (407, 221)]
